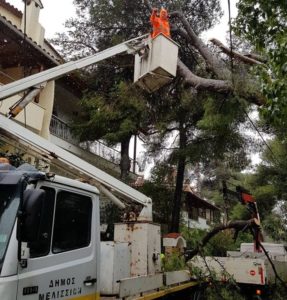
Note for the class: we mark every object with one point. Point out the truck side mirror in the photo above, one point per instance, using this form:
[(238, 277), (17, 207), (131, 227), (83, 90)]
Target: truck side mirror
[(29, 217)]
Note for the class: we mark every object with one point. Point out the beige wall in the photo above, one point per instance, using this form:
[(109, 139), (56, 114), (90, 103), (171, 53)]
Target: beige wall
[(32, 117), (11, 17), (36, 116), (33, 28), (47, 102), (11, 74)]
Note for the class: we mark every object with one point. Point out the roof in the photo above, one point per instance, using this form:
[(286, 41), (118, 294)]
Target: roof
[(172, 235), (174, 239), (12, 52), (39, 2), (15, 11), (13, 38), (192, 200)]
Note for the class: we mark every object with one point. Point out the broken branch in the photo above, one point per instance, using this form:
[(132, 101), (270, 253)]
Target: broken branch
[(235, 54), (200, 83), (237, 225)]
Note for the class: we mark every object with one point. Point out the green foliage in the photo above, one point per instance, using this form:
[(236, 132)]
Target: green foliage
[(264, 24), (239, 212), (207, 124), (265, 198), (114, 116), (224, 241), (100, 23), (268, 185), (211, 285), (277, 291), (220, 119), (218, 245), (212, 190), (221, 140), (269, 181), (161, 193), (275, 224), (275, 227), (223, 291), (162, 201), (192, 236), (173, 262)]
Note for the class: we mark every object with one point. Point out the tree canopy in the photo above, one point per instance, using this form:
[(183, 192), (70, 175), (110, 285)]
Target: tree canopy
[(264, 24), (205, 104)]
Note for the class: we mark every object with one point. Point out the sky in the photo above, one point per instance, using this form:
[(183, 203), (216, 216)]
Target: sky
[(55, 12), (53, 15)]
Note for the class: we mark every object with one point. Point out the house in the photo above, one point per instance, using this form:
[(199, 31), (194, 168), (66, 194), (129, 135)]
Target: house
[(198, 212), (25, 51)]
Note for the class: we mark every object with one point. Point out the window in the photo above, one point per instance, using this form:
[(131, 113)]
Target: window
[(202, 213), (42, 247), (9, 202), (72, 228), (208, 214), (193, 213)]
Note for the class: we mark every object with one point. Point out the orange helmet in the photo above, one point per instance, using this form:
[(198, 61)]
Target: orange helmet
[(163, 13)]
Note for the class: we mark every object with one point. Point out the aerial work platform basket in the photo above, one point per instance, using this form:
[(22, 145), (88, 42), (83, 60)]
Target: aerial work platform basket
[(155, 65)]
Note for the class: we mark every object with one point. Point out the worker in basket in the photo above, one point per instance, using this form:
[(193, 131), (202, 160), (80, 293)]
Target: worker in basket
[(160, 23)]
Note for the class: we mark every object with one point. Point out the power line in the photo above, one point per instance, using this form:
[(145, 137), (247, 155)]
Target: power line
[(259, 133), (231, 43)]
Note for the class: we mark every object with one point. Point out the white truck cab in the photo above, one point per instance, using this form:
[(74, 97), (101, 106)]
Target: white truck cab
[(51, 250)]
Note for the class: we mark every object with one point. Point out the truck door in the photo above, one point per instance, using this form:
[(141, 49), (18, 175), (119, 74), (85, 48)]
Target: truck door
[(63, 264)]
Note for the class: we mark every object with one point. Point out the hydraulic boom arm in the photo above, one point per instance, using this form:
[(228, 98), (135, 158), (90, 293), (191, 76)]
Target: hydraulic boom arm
[(65, 160), (107, 184), (36, 80)]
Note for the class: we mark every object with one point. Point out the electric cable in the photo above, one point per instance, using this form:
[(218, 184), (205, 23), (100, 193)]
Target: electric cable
[(231, 53), (230, 42)]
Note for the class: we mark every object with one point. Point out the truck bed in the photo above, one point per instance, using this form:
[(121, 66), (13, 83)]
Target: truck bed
[(243, 268)]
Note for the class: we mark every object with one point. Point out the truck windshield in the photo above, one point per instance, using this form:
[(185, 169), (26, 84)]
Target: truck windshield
[(8, 209)]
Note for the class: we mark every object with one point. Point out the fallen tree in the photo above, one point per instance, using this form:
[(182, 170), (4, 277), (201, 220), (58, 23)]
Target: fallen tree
[(224, 81)]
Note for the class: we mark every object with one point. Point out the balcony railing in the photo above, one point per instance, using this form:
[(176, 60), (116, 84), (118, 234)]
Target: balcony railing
[(102, 150), (63, 131)]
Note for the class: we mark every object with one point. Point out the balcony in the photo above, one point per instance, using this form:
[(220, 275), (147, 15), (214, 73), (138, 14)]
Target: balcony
[(62, 131)]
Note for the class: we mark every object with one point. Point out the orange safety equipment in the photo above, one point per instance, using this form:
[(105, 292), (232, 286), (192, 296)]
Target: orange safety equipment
[(160, 24), (4, 160)]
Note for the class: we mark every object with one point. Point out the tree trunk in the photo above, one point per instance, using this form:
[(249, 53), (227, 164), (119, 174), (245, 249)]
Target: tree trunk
[(175, 218), (125, 163)]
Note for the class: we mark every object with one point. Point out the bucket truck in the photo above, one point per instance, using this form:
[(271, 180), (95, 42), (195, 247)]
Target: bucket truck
[(50, 246), (250, 267)]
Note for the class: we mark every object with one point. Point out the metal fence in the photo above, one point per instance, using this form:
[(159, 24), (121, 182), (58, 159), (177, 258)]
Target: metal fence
[(102, 150), (63, 131)]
